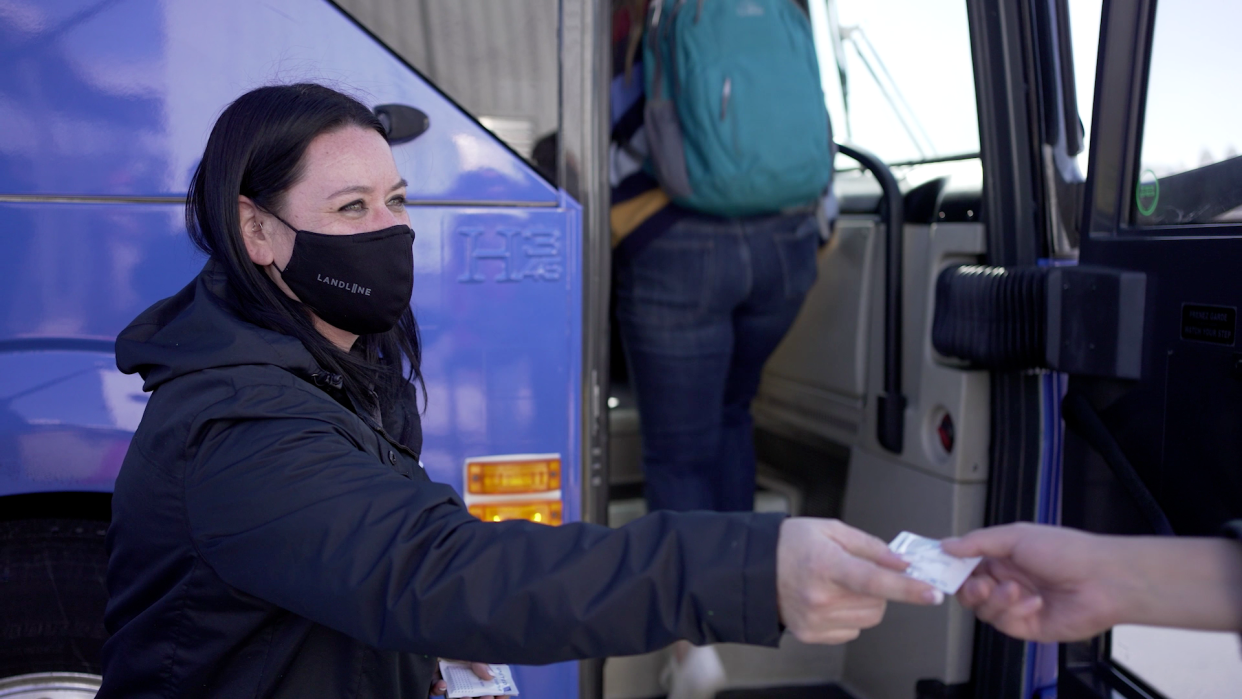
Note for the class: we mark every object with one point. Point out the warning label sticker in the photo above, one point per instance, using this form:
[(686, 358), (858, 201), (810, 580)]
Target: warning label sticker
[(1209, 323)]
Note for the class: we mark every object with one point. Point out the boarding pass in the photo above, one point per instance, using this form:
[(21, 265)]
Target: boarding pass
[(462, 682), (931, 564)]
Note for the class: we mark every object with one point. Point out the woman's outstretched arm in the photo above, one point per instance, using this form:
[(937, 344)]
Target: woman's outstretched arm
[(289, 510)]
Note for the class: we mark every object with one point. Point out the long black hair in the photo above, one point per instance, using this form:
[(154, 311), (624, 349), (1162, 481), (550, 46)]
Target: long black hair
[(256, 149)]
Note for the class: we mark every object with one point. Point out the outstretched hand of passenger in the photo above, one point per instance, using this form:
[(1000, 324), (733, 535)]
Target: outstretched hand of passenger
[(1041, 583), (834, 580)]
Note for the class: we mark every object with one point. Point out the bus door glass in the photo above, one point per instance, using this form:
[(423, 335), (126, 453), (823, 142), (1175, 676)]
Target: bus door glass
[(1164, 198)]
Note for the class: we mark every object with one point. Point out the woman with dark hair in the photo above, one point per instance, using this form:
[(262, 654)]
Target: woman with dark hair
[(273, 534)]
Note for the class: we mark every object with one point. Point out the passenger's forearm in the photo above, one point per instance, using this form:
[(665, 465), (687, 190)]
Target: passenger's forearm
[(1185, 582)]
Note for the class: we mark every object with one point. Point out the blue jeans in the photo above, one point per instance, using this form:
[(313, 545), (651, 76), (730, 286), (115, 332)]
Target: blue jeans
[(700, 310)]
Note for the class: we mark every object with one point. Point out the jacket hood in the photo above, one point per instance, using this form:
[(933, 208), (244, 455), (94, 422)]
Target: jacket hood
[(195, 330)]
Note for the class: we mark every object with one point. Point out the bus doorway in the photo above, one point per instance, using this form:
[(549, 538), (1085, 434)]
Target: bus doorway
[(825, 444), (1032, 205)]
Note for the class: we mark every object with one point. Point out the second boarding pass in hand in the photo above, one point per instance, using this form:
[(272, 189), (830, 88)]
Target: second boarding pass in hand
[(462, 682), (929, 563)]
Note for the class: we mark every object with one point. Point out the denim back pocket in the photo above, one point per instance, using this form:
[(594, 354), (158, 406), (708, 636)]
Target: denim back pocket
[(670, 281), (797, 246)]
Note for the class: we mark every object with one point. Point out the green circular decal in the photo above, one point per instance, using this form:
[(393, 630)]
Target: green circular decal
[(1146, 194)]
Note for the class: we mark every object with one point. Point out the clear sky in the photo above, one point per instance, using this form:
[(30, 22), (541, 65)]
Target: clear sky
[(925, 46), (1194, 108), (1194, 104)]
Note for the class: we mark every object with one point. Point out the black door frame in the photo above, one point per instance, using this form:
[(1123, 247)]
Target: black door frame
[(1007, 56), (1085, 669)]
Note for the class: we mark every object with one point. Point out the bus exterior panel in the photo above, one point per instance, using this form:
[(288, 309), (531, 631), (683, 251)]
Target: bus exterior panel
[(104, 112)]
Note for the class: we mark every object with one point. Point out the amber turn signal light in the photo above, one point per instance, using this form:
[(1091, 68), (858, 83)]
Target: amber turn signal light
[(511, 477), (541, 511)]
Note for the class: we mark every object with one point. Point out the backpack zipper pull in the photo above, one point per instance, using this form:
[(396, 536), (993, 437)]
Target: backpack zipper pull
[(724, 97)]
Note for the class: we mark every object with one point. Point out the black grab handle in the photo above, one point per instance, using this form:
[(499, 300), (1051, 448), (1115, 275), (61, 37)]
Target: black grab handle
[(891, 408)]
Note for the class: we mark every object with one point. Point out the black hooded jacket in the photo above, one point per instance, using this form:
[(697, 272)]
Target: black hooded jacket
[(269, 542)]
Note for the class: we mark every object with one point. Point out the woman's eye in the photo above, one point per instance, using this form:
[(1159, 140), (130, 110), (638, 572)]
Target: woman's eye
[(397, 201), (353, 206)]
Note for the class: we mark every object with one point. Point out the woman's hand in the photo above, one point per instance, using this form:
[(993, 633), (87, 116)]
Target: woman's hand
[(832, 580), (440, 687)]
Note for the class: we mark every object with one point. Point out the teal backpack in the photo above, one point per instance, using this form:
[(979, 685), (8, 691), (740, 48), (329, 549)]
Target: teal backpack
[(735, 118)]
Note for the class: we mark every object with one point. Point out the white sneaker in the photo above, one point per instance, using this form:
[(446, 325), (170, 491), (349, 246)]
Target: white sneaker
[(698, 676)]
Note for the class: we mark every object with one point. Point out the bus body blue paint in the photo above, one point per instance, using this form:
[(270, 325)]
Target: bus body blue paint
[(104, 111), (117, 98)]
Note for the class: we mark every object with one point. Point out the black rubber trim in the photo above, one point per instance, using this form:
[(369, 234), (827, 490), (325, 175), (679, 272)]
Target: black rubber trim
[(1007, 95), (891, 407), (92, 505), (54, 344)]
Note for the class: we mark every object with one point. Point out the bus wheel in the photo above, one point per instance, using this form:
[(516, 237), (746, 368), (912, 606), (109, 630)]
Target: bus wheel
[(50, 685), (52, 597)]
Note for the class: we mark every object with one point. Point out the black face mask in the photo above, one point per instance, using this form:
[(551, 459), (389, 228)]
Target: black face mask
[(360, 283)]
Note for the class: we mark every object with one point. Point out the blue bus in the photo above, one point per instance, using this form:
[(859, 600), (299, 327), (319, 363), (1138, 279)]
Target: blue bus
[(985, 142)]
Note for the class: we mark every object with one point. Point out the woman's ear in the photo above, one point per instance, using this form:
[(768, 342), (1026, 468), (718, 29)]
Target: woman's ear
[(255, 235)]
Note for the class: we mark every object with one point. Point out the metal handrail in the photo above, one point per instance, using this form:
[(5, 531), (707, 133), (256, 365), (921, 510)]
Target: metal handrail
[(891, 407)]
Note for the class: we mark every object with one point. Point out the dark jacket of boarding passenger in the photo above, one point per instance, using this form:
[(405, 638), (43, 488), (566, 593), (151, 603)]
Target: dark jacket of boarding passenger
[(269, 542)]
